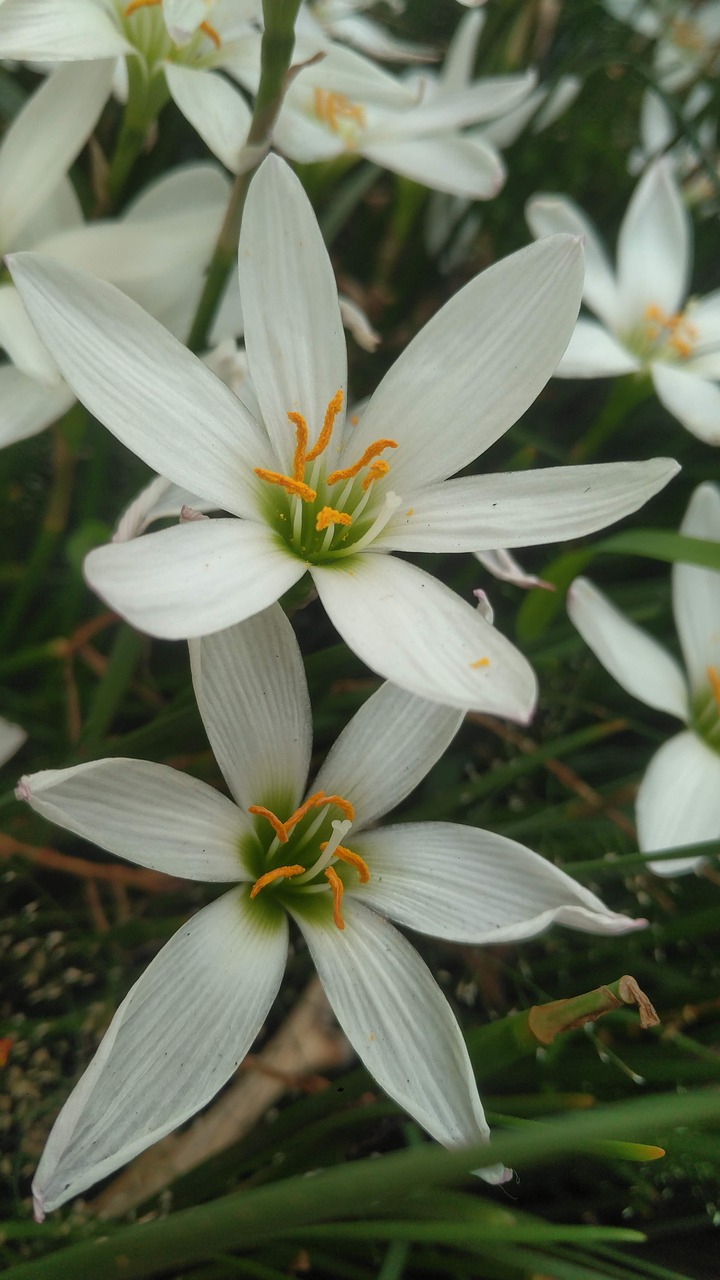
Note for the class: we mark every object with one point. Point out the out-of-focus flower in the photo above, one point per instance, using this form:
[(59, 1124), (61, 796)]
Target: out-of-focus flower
[(344, 21), (191, 1018), (646, 322), (687, 35), (345, 105), (319, 493), (156, 253), (11, 740), (679, 798), (171, 48)]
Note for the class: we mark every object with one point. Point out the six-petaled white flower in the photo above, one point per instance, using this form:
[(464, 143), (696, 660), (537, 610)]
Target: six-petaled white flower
[(679, 798), (191, 1018), (647, 324), (321, 493)]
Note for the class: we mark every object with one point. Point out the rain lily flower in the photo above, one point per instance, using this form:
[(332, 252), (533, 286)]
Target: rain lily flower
[(647, 324), (188, 1022), (687, 35), (315, 492), (345, 105), (156, 253), (679, 798), (172, 48)]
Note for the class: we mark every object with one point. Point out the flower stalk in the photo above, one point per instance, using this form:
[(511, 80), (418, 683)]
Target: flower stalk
[(275, 54)]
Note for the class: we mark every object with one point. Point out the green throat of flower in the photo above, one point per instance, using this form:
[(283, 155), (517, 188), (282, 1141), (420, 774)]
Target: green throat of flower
[(706, 711), (303, 855), (144, 26), (321, 514), (660, 336)]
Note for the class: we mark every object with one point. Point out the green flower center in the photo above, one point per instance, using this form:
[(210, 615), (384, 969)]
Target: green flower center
[(706, 711), (321, 514), (304, 854), (144, 26), (662, 336)]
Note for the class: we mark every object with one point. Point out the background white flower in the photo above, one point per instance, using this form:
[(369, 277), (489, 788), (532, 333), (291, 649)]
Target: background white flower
[(679, 798), (647, 323), (191, 1018)]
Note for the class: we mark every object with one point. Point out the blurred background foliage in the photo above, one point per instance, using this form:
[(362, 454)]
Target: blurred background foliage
[(73, 938)]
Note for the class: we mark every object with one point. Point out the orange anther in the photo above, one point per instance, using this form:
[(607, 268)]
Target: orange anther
[(353, 860), (480, 662), (139, 4), (211, 33), (280, 873), (301, 435), (336, 885), (378, 467), (713, 676), (344, 806), (313, 802), (292, 486), (323, 439), (371, 452), (329, 516), (277, 826)]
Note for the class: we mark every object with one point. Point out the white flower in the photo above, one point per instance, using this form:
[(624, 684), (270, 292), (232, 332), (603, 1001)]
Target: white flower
[(345, 105), (315, 492), (156, 253), (189, 1021), (687, 35), (679, 798), (173, 48), (646, 321), (344, 21)]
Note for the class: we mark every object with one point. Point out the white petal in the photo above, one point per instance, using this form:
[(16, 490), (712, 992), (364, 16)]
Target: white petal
[(549, 214), (636, 660), (253, 697), (696, 592), (28, 407), (454, 163), (157, 501), (60, 212), (11, 739), (654, 246), (58, 31), (524, 508), (178, 1035), (478, 364), (447, 111), (693, 400), (183, 17), (148, 389), (373, 40), (44, 139), (193, 579), (408, 627), (458, 67), (293, 328), (216, 110), (386, 750), (398, 1021), (21, 342), (593, 352), (190, 188), (679, 801), (357, 323), (145, 812), (473, 886), (505, 568)]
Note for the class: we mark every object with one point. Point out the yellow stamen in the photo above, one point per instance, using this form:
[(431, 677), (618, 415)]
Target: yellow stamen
[(139, 4), (301, 435), (329, 516), (296, 487), (277, 826), (352, 859), (334, 107), (336, 885), (480, 662), (323, 439), (378, 467), (211, 33), (278, 874), (371, 452), (713, 676)]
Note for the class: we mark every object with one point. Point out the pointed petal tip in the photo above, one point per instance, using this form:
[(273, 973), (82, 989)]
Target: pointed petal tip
[(38, 1207), (22, 790), (496, 1174)]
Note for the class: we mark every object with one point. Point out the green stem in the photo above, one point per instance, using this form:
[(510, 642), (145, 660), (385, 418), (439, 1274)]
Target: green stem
[(52, 527), (275, 54), (626, 393), (145, 101), (124, 655)]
